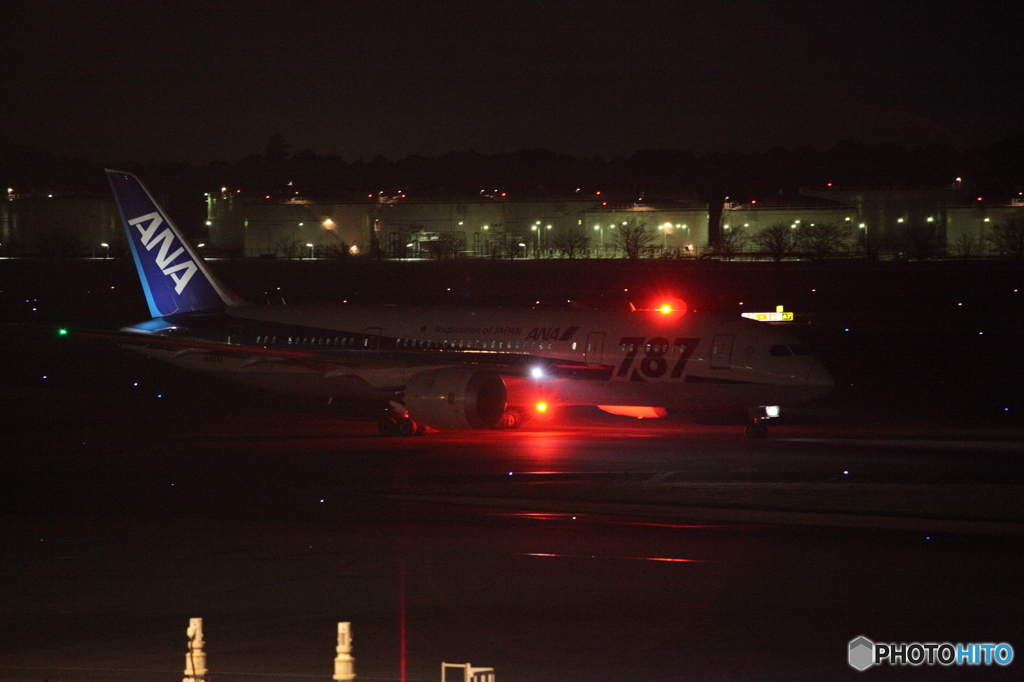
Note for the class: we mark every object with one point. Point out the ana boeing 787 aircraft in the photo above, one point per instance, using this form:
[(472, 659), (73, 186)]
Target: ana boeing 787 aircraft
[(455, 368)]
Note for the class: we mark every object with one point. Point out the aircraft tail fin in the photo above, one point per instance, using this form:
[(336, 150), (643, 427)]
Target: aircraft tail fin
[(173, 274)]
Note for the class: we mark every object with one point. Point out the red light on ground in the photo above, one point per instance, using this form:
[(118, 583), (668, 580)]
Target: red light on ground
[(637, 411), (542, 407), (753, 201), (597, 192), (267, 197), (830, 184), (980, 199)]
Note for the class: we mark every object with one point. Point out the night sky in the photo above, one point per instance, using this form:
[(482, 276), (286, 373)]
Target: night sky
[(198, 81)]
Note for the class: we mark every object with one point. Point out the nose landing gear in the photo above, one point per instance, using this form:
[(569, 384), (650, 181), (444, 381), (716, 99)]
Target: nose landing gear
[(757, 427)]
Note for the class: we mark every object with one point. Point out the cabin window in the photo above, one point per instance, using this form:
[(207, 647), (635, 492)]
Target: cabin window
[(289, 340)]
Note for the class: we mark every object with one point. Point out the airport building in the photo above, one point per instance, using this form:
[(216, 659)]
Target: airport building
[(926, 223), (424, 228)]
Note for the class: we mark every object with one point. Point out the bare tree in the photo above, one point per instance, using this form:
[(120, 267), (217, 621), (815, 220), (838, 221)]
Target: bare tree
[(778, 241), (820, 241), (921, 242), (871, 243), (504, 246), (731, 241), (289, 247), (336, 246), (632, 237), (571, 242), (1007, 239), (965, 246)]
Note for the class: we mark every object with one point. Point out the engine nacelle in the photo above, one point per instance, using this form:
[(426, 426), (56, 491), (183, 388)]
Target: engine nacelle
[(456, 398)]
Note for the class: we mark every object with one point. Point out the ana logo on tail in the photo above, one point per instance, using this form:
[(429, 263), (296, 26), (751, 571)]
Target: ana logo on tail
[(150, 239)]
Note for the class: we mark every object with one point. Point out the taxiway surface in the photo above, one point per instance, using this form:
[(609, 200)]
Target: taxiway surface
[(596, 549)]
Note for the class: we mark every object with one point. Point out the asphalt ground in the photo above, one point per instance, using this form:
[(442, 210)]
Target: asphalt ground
[(584, 547)]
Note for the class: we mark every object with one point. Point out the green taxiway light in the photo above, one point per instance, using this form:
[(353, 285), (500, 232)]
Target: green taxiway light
[(62, 331)]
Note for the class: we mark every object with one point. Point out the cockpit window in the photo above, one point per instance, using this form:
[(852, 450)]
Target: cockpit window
[(780, 349)]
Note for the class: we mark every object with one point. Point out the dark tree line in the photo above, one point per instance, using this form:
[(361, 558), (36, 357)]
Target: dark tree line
[(997, 169)]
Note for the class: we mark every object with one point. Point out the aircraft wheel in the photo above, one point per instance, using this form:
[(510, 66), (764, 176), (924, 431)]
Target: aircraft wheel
[(405, 426), (757, 429), (387, 427), (512, 419)]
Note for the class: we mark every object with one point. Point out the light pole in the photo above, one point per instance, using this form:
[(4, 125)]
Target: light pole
[(106, 252), (312, 251)]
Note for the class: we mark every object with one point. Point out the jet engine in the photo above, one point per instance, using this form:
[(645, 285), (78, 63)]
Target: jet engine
[(456, 398)]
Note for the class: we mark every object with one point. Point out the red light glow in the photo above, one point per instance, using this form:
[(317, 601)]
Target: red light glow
[(542, 407), (668, 304), (638, 411)]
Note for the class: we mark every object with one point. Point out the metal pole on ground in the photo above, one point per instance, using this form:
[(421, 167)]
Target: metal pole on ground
[(195, 659)]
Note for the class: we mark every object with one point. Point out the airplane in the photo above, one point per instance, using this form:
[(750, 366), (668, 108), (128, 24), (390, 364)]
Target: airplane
[(455, 368)]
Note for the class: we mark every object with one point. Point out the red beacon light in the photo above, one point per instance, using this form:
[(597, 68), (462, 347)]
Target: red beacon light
[(674, 306)]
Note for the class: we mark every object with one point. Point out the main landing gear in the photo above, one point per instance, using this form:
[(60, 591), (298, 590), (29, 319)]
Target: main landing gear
[(511, 419), (514, 417), (396, 422), (757, 427)]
